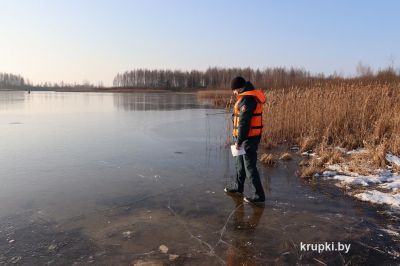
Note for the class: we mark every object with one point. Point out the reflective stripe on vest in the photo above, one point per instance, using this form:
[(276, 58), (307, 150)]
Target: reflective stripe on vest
[(256, 119)]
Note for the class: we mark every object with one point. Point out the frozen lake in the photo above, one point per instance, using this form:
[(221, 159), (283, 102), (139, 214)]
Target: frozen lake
[(108, 178)]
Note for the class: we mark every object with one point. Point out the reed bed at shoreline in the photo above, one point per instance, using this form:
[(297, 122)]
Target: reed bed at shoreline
[(348, 114)]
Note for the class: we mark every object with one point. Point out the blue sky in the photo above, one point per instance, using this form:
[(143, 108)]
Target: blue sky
[(73, 41)]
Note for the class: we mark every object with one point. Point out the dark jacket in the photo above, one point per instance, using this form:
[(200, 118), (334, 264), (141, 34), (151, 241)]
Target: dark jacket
[(250, 104)]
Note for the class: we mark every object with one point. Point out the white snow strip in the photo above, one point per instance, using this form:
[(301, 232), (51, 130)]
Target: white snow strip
[(357, 180), (394, 177), (385, 173), (326, 174), (392, 184), (308, 154), (357, 151), (351, 178), (341, 168), (378, 197), (393, 159)]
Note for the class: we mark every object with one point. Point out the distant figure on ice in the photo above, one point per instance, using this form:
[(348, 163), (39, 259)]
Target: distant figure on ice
[(247, 130)]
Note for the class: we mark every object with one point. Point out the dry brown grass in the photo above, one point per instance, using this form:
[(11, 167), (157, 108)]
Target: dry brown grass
[(268, 159), (308, 172), (349, 114), (396, 168), (329, 154), (309, 167), (361, 163), (285, 157), (345, 113), (365, 163), (307, 143), (379, 154), (326, 155), (304, 162)]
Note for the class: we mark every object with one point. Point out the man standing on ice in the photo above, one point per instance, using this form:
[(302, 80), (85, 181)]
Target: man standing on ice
[(247, 130)]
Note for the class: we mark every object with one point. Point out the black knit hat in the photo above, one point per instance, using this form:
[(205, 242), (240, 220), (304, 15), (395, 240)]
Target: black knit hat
[(237, 83)]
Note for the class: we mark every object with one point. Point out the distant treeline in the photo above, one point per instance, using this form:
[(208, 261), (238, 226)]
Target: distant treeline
[(211, 78), (66, 86), (16, 82), (268, 78), (11, 81)]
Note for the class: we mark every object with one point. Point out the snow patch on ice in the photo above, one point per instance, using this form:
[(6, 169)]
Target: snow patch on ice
[(381, 186), (352, 178), (392, 184), (393, 159), (326, 174), (358, 180), (342, 169), (378, 197), (384, 178)]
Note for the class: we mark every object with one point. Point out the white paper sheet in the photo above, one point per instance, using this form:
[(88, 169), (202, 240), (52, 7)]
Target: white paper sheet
[(236, 152)]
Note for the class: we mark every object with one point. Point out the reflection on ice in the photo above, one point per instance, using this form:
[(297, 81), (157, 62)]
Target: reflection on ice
[(159, 101)]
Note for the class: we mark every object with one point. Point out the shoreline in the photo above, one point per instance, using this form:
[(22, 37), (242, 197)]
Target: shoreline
[(130, 90), (376, 186)]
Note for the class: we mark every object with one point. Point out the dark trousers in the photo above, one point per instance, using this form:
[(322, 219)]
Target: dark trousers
[(246, 166)]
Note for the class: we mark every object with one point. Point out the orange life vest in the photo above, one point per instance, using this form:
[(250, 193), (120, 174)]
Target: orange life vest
[(256, 119)]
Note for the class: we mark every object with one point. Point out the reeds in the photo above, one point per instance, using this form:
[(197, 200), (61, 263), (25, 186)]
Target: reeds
[(348, 114)]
